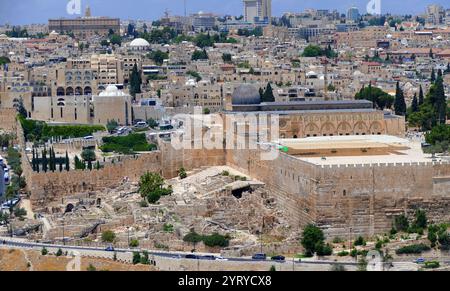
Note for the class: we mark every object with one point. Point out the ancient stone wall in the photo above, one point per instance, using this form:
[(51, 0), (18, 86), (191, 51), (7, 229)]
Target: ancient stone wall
[(8, 119), (47, 187)]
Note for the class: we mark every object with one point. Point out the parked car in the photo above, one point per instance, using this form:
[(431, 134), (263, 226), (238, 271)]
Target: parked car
[(110, 249), (259, 257), (191, 256), (221, 259), (278, 258), (89, 137)]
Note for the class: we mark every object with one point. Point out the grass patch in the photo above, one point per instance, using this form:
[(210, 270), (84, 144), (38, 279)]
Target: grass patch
[(129, 144)]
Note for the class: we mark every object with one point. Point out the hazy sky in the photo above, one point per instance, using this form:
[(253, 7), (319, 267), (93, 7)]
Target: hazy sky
[(38, 11)]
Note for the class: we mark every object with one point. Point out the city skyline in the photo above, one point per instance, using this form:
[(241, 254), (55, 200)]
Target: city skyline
[(33, 11)]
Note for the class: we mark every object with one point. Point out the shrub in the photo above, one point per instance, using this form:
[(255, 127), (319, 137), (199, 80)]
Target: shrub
[(324, 250), (379, 245), (182, 173), (272, 268), (216, 240), (359, 241), (168, 227), (225, 173), (413, 249), (136, 258), (192, 237), (337, 240), (135, 142), (432, 265), (108, 236), (44, 251), (134, 243), (91, 268), (343, 254), (59, 253), (401, 223), (143, 204)]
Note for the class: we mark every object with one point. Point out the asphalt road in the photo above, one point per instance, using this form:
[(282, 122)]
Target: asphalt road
[(173, 255)]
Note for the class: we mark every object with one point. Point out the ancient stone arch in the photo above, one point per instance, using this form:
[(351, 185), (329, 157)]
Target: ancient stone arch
[(376, 128), (60, 91), (360, 128), (328, 129), (311, 129), (344, 128)]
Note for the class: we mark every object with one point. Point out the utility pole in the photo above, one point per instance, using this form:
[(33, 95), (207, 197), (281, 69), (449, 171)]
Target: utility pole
[(63, 235)]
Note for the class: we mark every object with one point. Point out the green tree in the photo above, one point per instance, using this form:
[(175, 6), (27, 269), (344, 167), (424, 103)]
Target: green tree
[(59, 253), (268, 94), (44, 251), (415, 104), (88, 155), (399, 103), (108, 236), (134, 243), (91, 268), (182, 173), (115, 39), (158, 57), (313, 51), (227, 58), (67, 162), (401, 223), (421, 219), (199, 55), (135, 81), (421, 97), (111, 125), (312, 238)]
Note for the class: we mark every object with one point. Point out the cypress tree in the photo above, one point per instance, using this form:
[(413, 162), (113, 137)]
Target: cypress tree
[(268, 94), (439, 73), (60, 166), (44, 161), (90, 165), (433, 75), (97, 165), (421, 97), (415, 104), (399, 104), (67, 162), (440, 99), (33, 161)]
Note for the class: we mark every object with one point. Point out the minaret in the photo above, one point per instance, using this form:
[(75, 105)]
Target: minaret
[(88, 12)]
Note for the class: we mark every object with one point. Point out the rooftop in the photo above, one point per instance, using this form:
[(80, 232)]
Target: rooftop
[(344, 150)]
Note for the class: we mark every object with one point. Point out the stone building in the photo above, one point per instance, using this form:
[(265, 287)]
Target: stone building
[(317, 118)]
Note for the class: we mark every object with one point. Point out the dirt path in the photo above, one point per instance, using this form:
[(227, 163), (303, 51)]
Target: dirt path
[(30, 264), (26, 204), (75, 264)]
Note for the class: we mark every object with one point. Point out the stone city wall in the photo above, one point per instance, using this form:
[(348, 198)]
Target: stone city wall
[(8, 119)]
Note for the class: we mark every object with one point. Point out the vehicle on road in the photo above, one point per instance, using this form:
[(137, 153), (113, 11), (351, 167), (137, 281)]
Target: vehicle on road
[(278, 258), (221, 259), (208, 257), (110, 249), (419, 261), (191, 256), (259, 257), (89, 137)]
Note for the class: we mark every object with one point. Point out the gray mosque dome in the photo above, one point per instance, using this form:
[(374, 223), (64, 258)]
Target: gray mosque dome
[(246, 94)]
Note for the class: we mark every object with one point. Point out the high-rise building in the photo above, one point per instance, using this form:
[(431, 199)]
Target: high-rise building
[(435, 14), (257, 10), (353, 13)]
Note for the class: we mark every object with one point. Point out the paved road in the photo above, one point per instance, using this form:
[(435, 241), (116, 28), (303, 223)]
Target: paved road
[(173, 255)]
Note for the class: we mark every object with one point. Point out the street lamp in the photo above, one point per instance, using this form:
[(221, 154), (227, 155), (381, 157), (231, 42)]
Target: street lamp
[(63, 235)]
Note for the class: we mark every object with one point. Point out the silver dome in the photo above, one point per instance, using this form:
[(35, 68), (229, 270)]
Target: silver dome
[(246, 94)]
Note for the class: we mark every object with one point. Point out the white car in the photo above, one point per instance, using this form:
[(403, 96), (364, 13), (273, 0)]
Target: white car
[(221, 259)]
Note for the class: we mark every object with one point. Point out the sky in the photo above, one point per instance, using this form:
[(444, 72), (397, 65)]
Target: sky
[(39, 11)]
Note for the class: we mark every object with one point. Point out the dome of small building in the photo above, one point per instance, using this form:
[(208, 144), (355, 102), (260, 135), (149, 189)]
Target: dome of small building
[(246, 94), (139, 42)]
